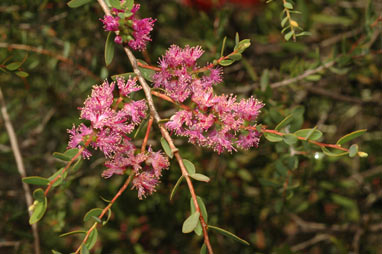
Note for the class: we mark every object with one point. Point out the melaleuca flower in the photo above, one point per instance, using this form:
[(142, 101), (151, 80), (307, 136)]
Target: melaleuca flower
[(109, 125), (179, 73), (145, 183), (130, 29), (217, 122)]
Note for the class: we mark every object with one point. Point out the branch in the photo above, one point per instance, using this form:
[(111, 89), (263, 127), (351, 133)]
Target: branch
[(164, 132), (303, 75), (52, 54), (20, 167), (119, 193)]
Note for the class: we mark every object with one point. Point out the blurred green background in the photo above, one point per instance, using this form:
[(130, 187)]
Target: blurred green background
[(332, 205)]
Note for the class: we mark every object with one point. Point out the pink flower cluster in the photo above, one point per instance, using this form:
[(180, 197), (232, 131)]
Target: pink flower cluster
[(109, 126), (134, 31), (217, 122)]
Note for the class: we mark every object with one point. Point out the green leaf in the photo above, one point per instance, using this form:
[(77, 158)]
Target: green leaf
[(290, 139), (243, 45), (228, 234), (350, 136), (235, 57), (226, 62), (343, 201), (126, 75), (190, 223), (310, 134), (288, 35), (39, 206), (36, 180), (223, 46), (67, 155), (115, 3), (314, 77), (22, 74), (272, 137), (237, 39), (84, 249), (176, 187), (189, 166), (200, 177), (203, 250), (202, 207), (267, 183), (77, 3), (91, 241), (283, 22), (166, 147), (93, 212), (129, 4), (353, 150), (108, 217), (77, 165), (73, 233), (303, 34), (13, 66), (288, 5), (333, 154), (284, 122), (61, 179), (146, 73), (109, 49), (56, 252)]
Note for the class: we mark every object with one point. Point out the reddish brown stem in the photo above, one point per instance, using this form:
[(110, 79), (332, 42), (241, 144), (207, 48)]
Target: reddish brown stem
[(119, 193), (164, 132), (150, 123), (50, 184), (167, 98), (148, 67), (310, 141), (206, 68)]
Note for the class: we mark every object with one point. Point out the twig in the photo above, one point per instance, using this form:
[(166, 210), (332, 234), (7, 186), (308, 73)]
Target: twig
[(303, 75), (50, 53), (20, 167), (164, 132), (119, 193), (144, 143), (316, 239)]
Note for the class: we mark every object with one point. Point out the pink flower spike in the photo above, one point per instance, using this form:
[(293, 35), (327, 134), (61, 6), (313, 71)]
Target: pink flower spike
[(145, 183), (127, 87), (110, 23)]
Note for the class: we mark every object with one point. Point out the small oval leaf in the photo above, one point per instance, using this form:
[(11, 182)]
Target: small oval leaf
[(333, 154), (311, 134), (272, 137), (200, 177), (353, 150), (190, 223), (109, 49), (176, 187), (36, 180), (284, 122), (350, 136), (77, 3), (226, 62), (228, 234), (290, 139), (73, 233), (166, 147), (93, 212), (92, 239), (189, 166), (13, 66)]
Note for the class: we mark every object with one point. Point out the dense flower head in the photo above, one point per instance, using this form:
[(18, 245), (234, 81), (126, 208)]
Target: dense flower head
[(179, 73), (215, 121), (129, 28), (108, 130)]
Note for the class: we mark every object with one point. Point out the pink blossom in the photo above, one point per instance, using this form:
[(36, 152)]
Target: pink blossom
[(145, 183), (110, 23), (127, 87)]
